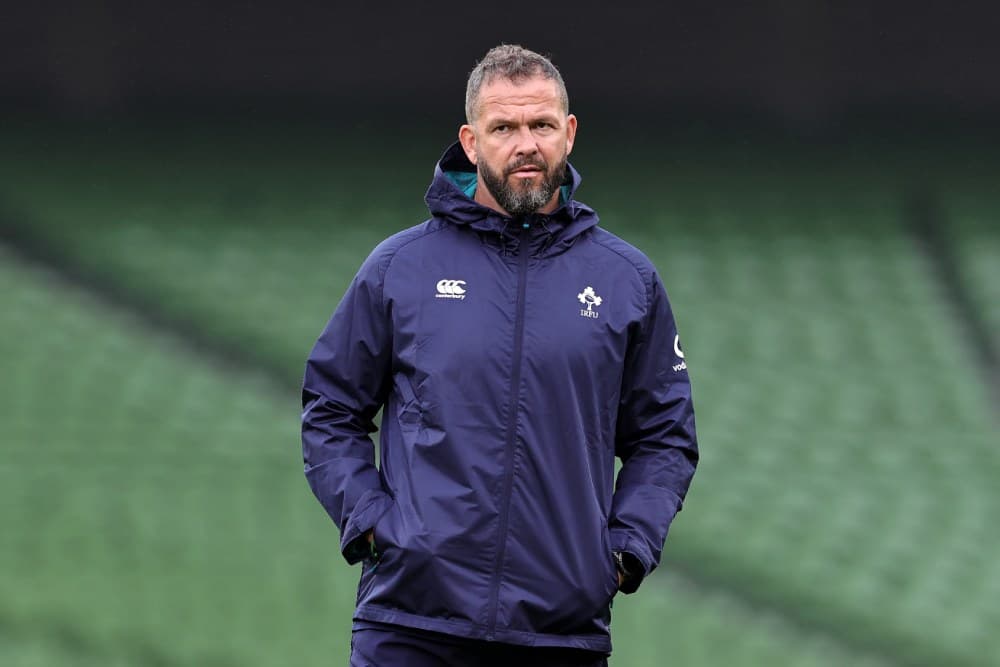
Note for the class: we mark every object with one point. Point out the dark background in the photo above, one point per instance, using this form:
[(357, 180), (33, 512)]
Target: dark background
[(805, 64)]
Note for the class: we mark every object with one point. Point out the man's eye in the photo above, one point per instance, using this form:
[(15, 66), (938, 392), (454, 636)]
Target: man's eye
[(501, 128)]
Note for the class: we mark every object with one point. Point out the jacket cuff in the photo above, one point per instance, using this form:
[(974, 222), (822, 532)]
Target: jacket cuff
[(639, 557), (369, 509)]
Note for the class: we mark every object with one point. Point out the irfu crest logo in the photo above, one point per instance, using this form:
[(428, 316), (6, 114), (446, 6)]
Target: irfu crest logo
[(588, 298)]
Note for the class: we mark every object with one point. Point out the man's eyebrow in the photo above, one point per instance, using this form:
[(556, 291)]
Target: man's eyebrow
[(510, 120)]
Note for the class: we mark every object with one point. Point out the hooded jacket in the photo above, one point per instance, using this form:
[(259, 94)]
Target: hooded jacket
[(514, 359)]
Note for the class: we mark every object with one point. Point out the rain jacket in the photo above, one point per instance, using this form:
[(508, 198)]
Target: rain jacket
[(515, 358)]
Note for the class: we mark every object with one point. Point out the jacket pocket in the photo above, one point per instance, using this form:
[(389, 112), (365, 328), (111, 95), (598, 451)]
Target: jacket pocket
[(384, 540), (610, 560), (383, 537)]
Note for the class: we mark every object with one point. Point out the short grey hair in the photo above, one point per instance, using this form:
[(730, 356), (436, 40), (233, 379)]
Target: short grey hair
[(514, 63)]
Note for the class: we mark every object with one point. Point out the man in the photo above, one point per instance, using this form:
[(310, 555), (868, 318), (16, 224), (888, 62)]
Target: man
[(517, 348)]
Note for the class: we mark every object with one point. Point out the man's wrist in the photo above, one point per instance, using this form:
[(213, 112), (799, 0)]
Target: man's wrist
[(373, 552)]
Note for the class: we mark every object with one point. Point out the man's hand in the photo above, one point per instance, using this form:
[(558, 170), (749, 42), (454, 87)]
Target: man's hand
[(370, 536)]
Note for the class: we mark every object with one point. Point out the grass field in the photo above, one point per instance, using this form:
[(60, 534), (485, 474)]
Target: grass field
[(157, 514)]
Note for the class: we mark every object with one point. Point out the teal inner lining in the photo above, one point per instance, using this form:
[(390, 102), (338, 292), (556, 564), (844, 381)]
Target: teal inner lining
[(465, 180)]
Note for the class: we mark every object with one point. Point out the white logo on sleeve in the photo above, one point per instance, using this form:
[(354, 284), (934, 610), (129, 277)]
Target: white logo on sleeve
[(450, 289), (588, 298), (677, 350)]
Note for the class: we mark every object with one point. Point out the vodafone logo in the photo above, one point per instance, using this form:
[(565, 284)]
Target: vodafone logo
[(450, 289), (680, 353)]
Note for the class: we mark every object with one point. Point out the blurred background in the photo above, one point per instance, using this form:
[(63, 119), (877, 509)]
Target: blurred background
[(187, 188)]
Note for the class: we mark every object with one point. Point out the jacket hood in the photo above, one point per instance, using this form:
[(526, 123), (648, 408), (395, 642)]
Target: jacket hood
[(449, 197)]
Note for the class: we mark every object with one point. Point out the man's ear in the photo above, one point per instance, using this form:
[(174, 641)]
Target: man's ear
[(467, 137), (570, 133)]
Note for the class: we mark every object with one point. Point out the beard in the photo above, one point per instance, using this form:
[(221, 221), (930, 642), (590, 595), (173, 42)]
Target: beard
[(519, 197)]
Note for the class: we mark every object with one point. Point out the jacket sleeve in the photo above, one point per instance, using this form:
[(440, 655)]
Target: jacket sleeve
[(345, 384), (655, 439)]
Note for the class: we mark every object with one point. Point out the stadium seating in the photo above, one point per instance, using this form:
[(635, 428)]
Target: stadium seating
[(843, 512)]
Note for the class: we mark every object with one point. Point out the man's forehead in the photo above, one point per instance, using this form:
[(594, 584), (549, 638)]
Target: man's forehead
[(534, 91)]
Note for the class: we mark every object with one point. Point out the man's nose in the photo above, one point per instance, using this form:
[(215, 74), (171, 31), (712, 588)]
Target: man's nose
[(526, 144)]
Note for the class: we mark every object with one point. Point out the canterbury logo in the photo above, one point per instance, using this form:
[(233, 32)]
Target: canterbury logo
[(450, 289)]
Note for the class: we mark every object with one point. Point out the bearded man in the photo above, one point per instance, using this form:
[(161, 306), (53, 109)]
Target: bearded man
[(517, 349)]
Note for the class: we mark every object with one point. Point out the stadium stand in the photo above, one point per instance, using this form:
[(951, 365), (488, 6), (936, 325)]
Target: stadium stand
[(844, 509)]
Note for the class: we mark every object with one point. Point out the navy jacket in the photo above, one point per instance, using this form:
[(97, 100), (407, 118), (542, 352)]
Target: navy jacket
[(514, 358)]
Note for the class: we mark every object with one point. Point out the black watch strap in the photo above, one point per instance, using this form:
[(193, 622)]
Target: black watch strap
[(620, 564), (630, 570)]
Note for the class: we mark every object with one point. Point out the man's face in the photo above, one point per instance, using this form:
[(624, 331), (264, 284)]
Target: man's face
[(519, 142)]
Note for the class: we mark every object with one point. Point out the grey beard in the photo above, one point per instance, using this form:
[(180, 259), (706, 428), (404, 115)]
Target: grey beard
[(520, 199)]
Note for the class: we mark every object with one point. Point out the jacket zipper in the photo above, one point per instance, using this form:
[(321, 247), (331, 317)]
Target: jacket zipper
[(515, 399)]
